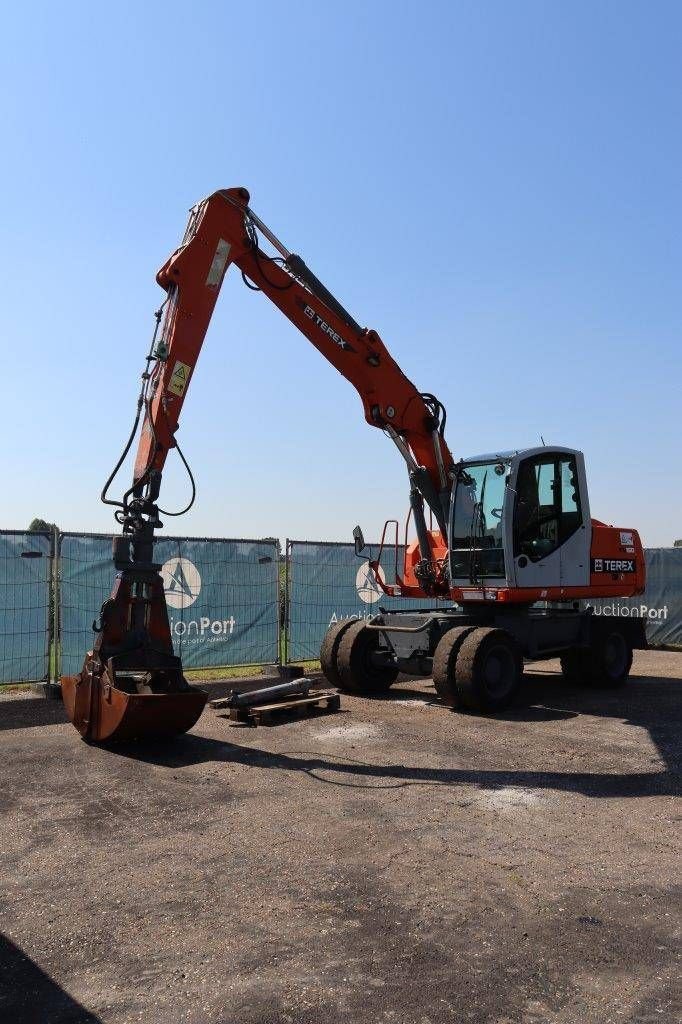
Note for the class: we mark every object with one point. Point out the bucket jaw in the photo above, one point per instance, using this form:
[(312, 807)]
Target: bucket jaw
[(132, 685), (124, 699)]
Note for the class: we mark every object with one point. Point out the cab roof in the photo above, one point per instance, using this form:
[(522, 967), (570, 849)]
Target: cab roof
[(505, 456)]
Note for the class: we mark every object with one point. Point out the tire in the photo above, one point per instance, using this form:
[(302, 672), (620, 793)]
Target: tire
[(330, 649), (488, 669), (610, 658), (444, 662), (353, 660)]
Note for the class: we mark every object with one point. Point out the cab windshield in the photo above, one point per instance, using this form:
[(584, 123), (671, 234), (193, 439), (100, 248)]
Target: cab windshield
[(476, 536)]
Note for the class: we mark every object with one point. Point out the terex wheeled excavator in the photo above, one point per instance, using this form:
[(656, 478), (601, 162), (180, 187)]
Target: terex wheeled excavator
[(507, 555)]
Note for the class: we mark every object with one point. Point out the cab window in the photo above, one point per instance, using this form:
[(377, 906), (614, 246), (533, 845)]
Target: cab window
[(547, 507), (476, 545)]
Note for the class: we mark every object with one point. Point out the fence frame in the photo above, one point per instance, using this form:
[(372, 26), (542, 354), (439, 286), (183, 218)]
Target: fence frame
[(281, 582), (43, 682)]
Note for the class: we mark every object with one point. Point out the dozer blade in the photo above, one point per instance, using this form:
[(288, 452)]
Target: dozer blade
[(103, 713)]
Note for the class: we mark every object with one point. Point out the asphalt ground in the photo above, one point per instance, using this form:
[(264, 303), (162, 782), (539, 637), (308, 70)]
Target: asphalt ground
[(394, 862)]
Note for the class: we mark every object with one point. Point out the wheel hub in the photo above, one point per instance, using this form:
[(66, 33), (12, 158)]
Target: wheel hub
[(499, 671)]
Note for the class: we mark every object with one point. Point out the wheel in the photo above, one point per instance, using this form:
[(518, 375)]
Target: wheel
[(488, 669), (610, 658), (444, 659), (354, 662), (330, 649)]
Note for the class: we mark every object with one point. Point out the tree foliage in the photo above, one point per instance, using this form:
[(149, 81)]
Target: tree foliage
[(41, 526)]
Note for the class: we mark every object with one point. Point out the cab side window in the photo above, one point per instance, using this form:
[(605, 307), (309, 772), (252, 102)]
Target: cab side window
[(547, 507)]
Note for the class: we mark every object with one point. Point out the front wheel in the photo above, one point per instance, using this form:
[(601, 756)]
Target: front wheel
[(359, 669), (444, 671), (489, 669)]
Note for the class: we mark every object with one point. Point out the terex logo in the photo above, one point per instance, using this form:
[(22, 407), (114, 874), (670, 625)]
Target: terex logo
[(325, 327), (613, 565), (181, 582)]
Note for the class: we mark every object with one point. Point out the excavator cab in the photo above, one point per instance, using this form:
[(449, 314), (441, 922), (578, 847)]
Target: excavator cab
[(520, 519)]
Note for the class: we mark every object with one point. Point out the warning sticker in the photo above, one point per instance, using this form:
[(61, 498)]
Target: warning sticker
[(179, 378), (217, 268)]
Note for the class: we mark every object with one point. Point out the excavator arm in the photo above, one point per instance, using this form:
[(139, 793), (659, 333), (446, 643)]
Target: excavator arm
[(222, 230)]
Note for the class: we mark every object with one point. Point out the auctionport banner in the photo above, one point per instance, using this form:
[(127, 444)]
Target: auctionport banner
[(661, 603), (25, 560), (329, 582), (222, 597)]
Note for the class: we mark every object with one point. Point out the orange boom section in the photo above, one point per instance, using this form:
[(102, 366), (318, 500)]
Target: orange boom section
[(220, 233)]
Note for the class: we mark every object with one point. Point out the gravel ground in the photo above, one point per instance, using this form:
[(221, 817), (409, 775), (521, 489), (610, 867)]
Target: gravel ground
[(395, 862)]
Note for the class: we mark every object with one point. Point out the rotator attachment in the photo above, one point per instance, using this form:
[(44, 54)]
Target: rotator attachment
[(132, 685)]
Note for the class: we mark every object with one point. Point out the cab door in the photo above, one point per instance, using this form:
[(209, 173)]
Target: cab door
[(550, 520)]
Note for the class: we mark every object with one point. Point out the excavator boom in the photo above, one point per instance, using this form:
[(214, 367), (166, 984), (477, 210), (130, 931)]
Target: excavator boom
[(221, 231)]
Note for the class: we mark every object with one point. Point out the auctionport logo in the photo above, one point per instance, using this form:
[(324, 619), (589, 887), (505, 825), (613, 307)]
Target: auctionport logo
[(182, 586), (366, 584), (181, 582), (626, 611), (369, 592)]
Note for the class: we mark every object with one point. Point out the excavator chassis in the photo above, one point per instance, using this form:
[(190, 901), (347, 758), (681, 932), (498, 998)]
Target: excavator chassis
[(132, 685), (475, 655)]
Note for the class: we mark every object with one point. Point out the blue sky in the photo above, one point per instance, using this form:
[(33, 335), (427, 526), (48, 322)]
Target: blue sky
[(495, 188)]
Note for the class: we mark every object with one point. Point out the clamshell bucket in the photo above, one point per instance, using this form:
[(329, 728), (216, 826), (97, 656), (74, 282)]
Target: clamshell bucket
[(132, 685), (130, 703)]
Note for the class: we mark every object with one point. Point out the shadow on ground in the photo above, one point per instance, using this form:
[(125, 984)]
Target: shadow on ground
[(27, 712), (652, 704), (29, 996)]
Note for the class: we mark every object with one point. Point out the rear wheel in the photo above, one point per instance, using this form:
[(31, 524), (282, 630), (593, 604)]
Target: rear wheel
[(488, 669), (444, 664), (330, 649), (610, 658), (356, 665), (605, 663)]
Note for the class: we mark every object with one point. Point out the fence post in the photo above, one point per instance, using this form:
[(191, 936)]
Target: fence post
[(285, 630), (279, 655), (53, 688)]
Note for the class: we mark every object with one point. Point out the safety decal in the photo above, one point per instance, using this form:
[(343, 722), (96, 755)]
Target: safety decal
[(179, 378), (613, 565), (217, 268)]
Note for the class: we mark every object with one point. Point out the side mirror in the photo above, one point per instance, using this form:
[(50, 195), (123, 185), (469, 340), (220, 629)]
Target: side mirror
[(359, 541)]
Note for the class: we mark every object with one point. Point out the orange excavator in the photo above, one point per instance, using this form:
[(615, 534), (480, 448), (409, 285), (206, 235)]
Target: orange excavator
[(509, 552)]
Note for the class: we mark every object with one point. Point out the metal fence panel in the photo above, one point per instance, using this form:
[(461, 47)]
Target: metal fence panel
[(222, 597), (25, 580), (661, 603), (327, 582)]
